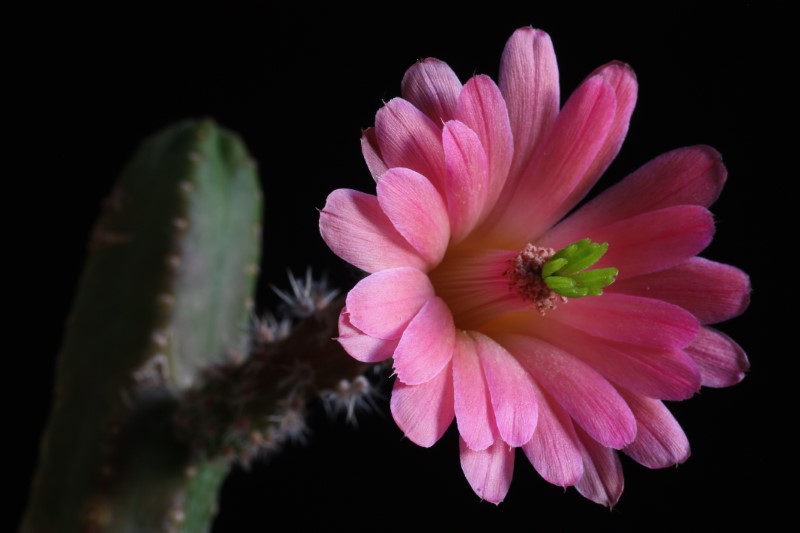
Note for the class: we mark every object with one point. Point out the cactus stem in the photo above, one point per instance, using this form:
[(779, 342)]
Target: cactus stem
[(180, 224)]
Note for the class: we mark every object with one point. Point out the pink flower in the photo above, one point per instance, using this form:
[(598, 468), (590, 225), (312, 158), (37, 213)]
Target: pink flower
[(473, 185)]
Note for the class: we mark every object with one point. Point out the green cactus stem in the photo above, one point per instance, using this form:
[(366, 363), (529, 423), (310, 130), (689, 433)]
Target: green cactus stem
[(166, 290)]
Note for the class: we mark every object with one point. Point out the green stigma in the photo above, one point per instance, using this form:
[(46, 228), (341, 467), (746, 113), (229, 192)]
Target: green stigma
[(566, 272)]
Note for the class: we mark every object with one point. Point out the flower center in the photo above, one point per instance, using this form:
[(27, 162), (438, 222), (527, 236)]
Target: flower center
[(524, 275), (544, 277)]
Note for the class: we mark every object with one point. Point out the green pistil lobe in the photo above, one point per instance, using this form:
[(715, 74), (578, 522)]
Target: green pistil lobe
[(565, 273)]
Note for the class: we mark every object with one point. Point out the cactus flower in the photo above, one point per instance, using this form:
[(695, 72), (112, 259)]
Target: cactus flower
[(532, 325)]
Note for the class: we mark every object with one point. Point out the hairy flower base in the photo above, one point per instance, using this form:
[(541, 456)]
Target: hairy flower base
[(526, 278), (473, 183)]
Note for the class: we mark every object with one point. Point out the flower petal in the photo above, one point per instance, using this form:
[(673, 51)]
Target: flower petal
[(602, 480), (382, 304), (409, 139), (721, 361), (510, 389), (623, 80), (433, 87), (354, 226), (424, 412), (467, 174), (711, 291), (557, 166), (667, 374), (427, 344), (630, 319), (686, 176), (588, 398), (488, 471), (660, 441), (554, 450), (471, 396), (361, 346), (648, 242), (417, 211), (372, 154), (481, 107), (529, 83)]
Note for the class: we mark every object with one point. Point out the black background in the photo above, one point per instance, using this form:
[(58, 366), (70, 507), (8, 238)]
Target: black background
[(299, 84)]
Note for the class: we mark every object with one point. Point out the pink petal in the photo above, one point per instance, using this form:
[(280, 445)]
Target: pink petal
[(648, 242), (558, 165), (488, 471), (372, 154), (711, 291), (360, 346), (686, 176), (354, 226), (433, 87), (623, 80), (529, 83), (471, 396), (630, 319), (602, 480), (510, 389), (427, 344), (417, 211), (554, 450), (467, 174), (589, 399), (667, 374), (409, 139), (382, 304), (481, 107), (424, 412), (721, 361), (660, 441)]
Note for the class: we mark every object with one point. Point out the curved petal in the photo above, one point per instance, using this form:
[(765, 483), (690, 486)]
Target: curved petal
[(354, 226), (721, 361), (417, 211), (361, 346), (427, 344), (467, 179), (660, 441), (713, 292), (424, 412), (409, 139), (686, 176), (557, 166), (433, 87), (588, 398), (667, 374), (382, 304), (529, 84), (471, 396), (623, 80), (602, 480), (630, 319), (482, 108), (488, 471), (510, 389), (649, 242), (372, 154), (554, 450)]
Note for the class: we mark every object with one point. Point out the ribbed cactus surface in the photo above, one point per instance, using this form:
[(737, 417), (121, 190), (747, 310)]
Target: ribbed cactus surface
[(165, 291)]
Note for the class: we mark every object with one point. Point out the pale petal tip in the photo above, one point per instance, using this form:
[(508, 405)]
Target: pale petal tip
[(615, 65), (536, 33)]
